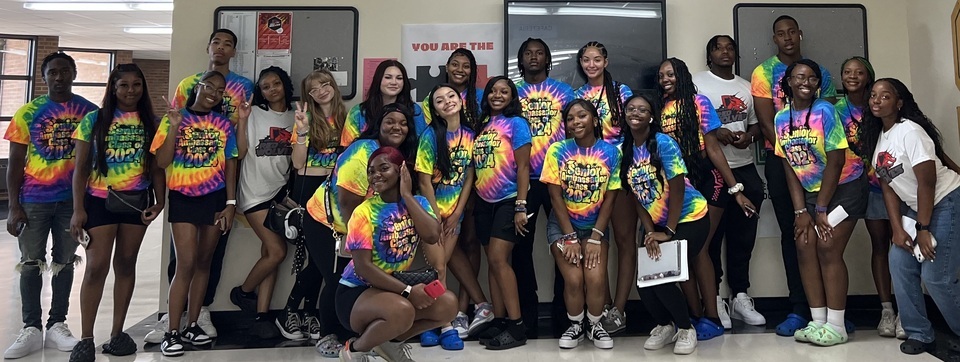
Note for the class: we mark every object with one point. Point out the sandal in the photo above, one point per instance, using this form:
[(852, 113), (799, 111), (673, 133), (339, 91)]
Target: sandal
[(807, 333), (827, 336), (329, 346), (913, 346), (788, 327), (120, 345), (505, 340), (707, 330), (450, 340), (954, 345)]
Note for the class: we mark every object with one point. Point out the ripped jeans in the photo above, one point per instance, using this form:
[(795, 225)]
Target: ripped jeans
[(43, 219)]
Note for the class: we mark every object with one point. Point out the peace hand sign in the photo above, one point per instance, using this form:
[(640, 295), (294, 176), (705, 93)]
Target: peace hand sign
[(174, 114), (243, 111), (300, 117)]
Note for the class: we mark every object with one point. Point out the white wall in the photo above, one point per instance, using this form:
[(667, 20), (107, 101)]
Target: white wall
[(895, 32)]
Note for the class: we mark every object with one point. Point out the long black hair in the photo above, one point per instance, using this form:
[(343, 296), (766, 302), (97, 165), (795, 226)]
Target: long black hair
[(470, 105), (687, 133), (439, 126), (872, 125), (218, 108), (857, 147), (591, 109), (548, 59), (409, 144), (105, 118), (651, 143), (373, 105), (610, 88), (258, 98), (513, 108), (788, 92)]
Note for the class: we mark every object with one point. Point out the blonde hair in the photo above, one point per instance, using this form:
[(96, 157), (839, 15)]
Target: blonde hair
[(321, 134)]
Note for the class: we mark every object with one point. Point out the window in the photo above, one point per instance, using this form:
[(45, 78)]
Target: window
[(16, 74), (93, 72)]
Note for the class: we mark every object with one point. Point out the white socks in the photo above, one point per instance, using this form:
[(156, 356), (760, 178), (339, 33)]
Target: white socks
[(594, 319), (575, 318), (887, 305), (819, 315), (835, 321)]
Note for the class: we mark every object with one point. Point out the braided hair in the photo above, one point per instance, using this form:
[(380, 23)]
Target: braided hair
[(651, 143), (548, 59), (687, 133), (611, 88), (788, 92), (471, 106), (872, 125)]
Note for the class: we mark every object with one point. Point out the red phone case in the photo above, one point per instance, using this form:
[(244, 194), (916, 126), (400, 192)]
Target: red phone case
[(435, 289)]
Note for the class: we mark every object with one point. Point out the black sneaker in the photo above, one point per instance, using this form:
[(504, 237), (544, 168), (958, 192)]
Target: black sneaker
[(573, 336), (310, 326), (120, 345), (290, 326), (264, 329), (84, 351), (172, 345), (246, 304), (195, 335)]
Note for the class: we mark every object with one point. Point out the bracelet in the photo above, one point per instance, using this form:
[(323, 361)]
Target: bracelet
[(821, 209), (520, 209), (520, 202), (232, 202), (735, 189), (670, 232), (799, 212), (593, 241), (303, 134), (570, 236), (598, 232)]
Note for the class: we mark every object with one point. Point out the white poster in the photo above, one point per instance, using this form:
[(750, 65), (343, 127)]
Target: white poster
[(426, 48)]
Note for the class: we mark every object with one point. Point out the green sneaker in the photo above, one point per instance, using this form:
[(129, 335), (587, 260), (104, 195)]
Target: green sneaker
[(807, 333), (827, 336)]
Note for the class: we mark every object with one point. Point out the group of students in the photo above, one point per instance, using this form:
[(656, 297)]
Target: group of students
[(470, 167)]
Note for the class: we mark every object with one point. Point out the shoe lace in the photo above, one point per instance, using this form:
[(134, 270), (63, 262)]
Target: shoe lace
[(405, 352), (313, 324), (26, 333), (746, 302), (684, 336), (293, 321), (599, 332), (573, 331)]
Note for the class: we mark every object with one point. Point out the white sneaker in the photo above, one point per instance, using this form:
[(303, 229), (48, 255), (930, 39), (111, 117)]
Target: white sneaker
[(204, 322), (461, 323), (59, 337), (724, 311), (601, 339), (660, 336), (159, 330), (901, 334), (888, 324), (743, 309), (686, 341), (30, 340)]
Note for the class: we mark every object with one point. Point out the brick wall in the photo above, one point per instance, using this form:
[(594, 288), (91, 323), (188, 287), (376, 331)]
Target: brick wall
[(45, 46), (157, 74)]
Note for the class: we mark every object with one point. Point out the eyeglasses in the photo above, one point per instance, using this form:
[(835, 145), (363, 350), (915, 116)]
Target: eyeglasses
[(206, 87), (317, 89), (801, 79), (637, 110)]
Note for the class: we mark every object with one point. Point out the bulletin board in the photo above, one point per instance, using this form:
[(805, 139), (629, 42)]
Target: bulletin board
[(832, 33), (299, 39)]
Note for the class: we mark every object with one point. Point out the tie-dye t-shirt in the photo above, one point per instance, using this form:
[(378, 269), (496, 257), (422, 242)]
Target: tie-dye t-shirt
[(350, 173), (806, 147), (653, 194), (126, 169), (204, 144), (356, 123), (387, 230), (493, 157), (542, 106), (446, 188), (709, 121), (851, 116), (765, 83), (585, 175), (425, 105), (237, 90), (47, 127), (326, 157), (594, 94)]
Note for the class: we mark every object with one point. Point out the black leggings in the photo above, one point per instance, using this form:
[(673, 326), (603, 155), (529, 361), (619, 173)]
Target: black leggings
[(666, 302), (306, 289)]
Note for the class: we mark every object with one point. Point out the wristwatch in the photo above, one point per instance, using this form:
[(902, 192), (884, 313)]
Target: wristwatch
[(406, 292), (921, 227)]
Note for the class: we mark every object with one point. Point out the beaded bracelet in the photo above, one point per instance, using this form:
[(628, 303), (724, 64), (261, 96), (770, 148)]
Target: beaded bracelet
[(520, 209), (821, 209), (520, 202)]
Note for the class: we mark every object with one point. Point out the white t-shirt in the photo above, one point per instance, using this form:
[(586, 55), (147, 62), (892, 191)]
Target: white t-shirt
[(734, 105), (901, 148), (267, 164)]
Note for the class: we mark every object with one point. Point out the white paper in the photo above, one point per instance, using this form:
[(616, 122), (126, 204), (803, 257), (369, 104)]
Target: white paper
[(671, 267), (834, 218), (910, 226), (340, 77), (264, 61), (244, 24)]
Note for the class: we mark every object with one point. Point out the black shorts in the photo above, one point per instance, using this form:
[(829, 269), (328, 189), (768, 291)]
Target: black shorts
[(98, 215), (496, 221), (851, 195), (266, 204), (345, 299), (197, 210), (712, 186), (304, 187)]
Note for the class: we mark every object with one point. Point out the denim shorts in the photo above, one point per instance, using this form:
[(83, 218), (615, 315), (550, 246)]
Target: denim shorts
[(876, 210), (554, 232)]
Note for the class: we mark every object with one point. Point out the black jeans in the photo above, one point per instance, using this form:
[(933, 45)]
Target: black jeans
[(306, 289), (783, 208), (740, 232), (665, 302), (537, 197)]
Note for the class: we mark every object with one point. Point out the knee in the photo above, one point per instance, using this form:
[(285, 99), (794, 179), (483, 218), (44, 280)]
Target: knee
[(64, 266), (447, 306), (596, 280), (97, 271), (403, 315), (573, 281), (275, 255), (828, 254), (33, 266), (497, 262), (124, 265)]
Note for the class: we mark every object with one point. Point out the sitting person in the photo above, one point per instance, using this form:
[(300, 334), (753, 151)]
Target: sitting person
[(382, 236)]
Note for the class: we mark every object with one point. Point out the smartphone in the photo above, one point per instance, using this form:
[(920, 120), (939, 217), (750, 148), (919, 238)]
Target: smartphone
[(511, 225), (753, 213), (20, 226), (84, 239), (435, 289)]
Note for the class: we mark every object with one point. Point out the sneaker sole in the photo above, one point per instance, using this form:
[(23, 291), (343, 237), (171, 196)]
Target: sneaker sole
[(752, 322), (212, 332), (684, 351), (603, 344), (290, 336), (656, 347), (172, 354), (152, 338), (198, 343), (571, 344), (616, 330)]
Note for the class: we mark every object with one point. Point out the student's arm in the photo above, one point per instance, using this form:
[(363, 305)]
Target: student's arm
[(926, 189), (243, 117), (159, 179), (167, 149), (828, 185), (425, 181), (229, 211), (301, 126), (15, 171), (348, 202), (571, 252), (81, 174), (803, 223), (765, 112), (522, 157), (950, 164), (592, 252), (892, 203)]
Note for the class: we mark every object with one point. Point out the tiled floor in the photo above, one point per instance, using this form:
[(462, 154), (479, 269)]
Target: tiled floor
[(866, 345)]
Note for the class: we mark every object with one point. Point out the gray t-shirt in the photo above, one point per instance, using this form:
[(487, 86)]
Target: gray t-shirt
[(266, 166)]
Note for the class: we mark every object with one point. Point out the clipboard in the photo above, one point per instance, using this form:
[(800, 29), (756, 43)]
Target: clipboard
[(672, 266)]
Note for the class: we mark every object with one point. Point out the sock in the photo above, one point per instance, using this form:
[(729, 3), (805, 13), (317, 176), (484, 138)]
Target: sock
[(594, 319), (250, 295), (835, 320), (887, 305), (261, 316), (575, 318), (516, 328), (819, 315), (447, 328), (350, 347)]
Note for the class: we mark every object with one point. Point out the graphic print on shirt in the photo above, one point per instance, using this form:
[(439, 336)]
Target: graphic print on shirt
[(56, 133), (644, 183), (200, 143), (886, 170), (797, 145), (277, 143), (401, 237), (733, 109), (484, 150), (125, 143), (583, 181)]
